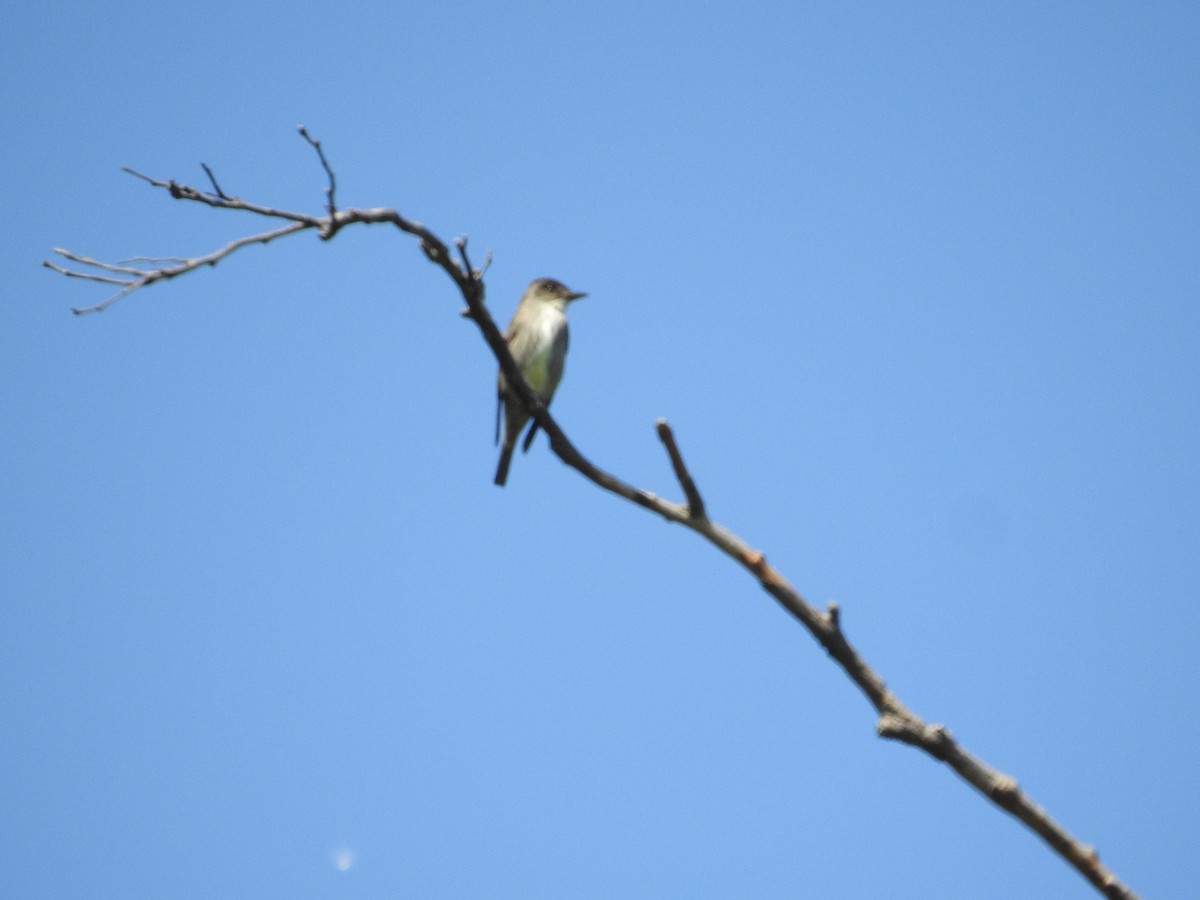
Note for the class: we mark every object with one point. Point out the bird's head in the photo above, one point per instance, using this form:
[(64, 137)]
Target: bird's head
[(548, 290)]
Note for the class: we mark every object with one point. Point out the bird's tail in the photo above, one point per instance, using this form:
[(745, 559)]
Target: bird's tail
[(506, 453)]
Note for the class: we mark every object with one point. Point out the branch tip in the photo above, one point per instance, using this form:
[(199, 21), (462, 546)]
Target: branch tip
[(146, 178)]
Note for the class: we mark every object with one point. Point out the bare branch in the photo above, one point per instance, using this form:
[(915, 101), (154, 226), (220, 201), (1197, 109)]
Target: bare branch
[(895, 721), (461, 243)]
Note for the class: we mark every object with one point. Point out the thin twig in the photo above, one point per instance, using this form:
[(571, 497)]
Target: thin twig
[(330, 207), (213, 178), (682, 475), (96, 264), (461, 243), (88, 276), (150, 277)]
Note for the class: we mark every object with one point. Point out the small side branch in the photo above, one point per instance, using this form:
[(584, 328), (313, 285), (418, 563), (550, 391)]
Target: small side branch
[(330, 205), (146, 277), (213, 181), (461, 243), (682, 475)]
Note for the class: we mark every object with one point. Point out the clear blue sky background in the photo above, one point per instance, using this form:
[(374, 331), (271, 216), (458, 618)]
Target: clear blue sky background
[(917, 288)]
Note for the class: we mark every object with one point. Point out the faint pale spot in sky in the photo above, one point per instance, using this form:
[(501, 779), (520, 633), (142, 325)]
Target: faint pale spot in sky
[(344, 859)]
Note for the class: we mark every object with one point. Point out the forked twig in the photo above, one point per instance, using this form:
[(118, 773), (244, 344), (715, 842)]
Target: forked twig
[(145, 278)]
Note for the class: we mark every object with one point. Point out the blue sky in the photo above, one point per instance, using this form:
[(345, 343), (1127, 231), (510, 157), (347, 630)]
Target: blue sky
[(917, 289)]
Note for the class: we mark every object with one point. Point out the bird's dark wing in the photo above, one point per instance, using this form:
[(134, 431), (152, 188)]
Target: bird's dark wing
[(533, 430), (499, 406), (558, 356)]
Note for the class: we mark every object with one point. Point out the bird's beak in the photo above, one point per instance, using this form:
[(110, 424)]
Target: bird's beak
[(576, 295)]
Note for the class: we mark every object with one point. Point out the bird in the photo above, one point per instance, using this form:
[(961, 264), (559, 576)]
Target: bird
[(537, 340)]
